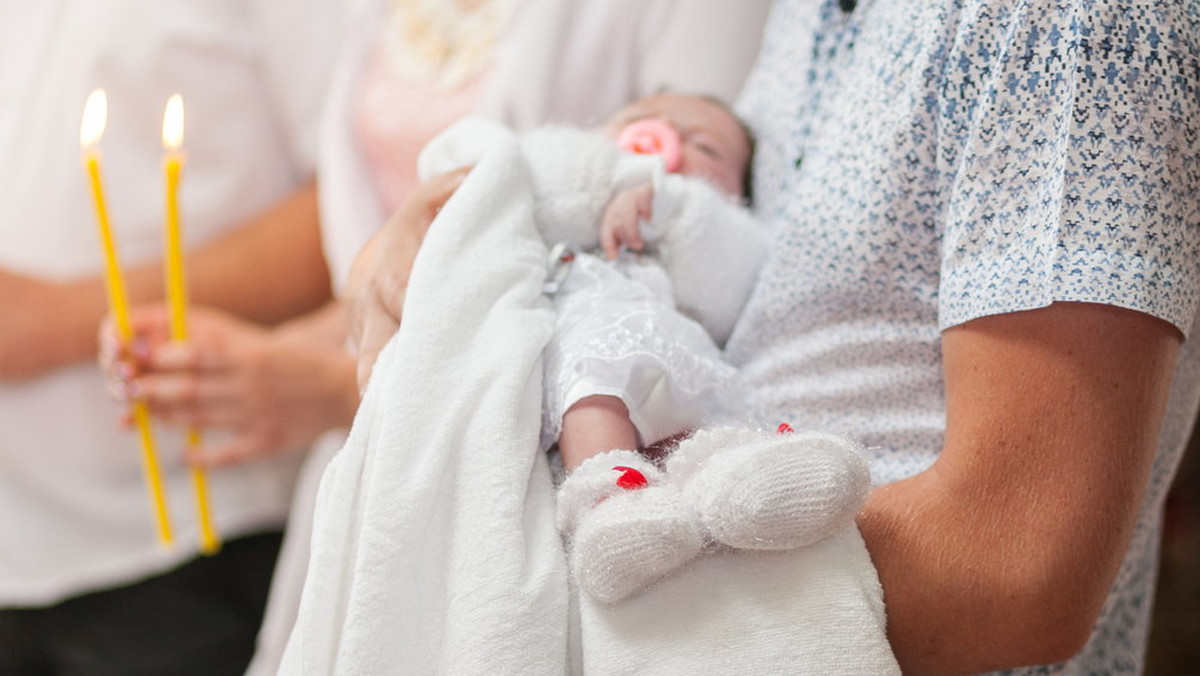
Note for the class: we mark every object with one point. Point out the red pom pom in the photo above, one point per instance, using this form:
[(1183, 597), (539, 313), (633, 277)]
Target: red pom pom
[(784, 428), (631, 479)]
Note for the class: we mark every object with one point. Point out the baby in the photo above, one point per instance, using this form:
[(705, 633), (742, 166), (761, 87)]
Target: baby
[(635, 358)]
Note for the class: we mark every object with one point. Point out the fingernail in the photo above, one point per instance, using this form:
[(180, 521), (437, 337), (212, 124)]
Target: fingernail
[(109, 348), (123, 370), (131, 389), (140, 347)]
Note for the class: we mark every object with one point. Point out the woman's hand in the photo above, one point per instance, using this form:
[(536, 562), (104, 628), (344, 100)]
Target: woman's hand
[(274, 390), (379, 277)]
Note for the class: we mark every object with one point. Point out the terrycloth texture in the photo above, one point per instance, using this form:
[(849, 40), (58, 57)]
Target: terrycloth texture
[(434, 544), (734, 612)]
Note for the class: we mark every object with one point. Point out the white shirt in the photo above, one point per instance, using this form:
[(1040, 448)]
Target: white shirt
[(929, 163), (75, 514)]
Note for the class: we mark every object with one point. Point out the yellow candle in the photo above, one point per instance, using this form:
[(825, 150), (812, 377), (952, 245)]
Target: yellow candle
[(95, 115), (177, 295)]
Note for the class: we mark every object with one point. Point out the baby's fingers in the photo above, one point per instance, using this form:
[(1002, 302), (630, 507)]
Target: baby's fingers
[(630, 235), (619, 226)]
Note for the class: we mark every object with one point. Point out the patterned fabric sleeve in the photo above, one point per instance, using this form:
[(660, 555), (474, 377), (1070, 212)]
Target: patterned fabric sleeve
[(1070, 157)]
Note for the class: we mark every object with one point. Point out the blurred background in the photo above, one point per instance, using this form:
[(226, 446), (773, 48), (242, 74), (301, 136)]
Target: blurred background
[(1175, 633)]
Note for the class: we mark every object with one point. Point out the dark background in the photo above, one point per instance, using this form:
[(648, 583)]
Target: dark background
[(1175, 634)]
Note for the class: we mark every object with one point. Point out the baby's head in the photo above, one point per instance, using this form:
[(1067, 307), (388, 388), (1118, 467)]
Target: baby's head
[(714, 144)]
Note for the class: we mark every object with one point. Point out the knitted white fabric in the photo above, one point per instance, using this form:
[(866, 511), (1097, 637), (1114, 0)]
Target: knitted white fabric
[(594, 481), (630, 541), (742, 488), (624, 539), (755, 490), (573, 173)]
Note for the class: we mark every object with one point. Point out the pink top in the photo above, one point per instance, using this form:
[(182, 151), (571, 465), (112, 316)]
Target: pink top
[(395, 115)]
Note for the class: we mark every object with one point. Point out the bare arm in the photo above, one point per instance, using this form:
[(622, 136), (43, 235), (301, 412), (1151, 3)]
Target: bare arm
[(1004, 551), (268, 270)]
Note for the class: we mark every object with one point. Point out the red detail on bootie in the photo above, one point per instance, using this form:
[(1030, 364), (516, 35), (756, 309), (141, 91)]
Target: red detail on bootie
[(784, 428), (631, 479)]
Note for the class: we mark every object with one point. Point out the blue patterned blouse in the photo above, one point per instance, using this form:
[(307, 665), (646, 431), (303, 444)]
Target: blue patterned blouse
[(928, 162)]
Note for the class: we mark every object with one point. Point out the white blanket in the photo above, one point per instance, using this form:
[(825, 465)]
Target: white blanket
[(434, 545)]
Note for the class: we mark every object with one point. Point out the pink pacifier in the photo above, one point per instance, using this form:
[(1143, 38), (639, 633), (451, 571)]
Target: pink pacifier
[(652, 137)]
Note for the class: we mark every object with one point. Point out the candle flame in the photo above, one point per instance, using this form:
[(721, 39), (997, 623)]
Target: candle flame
[(172, 132), (95, 117)]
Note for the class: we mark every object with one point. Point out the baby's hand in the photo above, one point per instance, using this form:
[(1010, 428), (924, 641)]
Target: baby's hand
[(621, 225)]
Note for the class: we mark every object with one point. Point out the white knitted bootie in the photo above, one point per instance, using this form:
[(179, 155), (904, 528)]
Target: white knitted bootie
[(757, 490), (627, 527)]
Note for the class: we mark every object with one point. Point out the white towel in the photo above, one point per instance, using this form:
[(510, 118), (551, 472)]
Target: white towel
[(434, 546), (816, 610)]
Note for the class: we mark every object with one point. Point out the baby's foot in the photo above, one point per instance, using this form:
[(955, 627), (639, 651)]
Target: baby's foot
[(628, 529), (597, 479), (632, 540), (755, 490)]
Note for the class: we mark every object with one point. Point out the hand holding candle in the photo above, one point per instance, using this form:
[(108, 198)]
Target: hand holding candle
[(172, 136), (95, 116)]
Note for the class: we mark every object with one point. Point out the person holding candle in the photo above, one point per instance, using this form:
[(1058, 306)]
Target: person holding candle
[(85, 586), (984, 270), (272, 388)]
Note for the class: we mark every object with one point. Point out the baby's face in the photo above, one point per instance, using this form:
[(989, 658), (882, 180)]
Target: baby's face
[(714, 146)]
